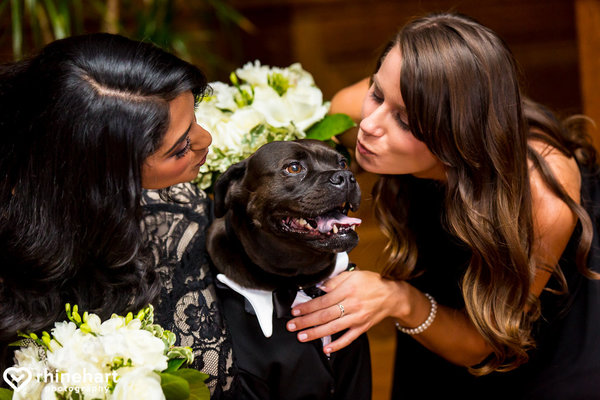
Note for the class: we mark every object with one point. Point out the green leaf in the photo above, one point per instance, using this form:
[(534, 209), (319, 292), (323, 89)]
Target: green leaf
[(17, 28), (174, 387), (6, 394), (330, 126), (174, 364), (195, 378)]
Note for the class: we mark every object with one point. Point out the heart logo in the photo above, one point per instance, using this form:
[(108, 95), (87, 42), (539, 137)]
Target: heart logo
[(17, 377)]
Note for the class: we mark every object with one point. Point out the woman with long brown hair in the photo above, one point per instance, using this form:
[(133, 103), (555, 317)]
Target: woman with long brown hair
[(487, 201)]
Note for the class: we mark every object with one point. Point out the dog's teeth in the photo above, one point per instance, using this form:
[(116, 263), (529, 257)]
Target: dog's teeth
[(353, 227), (302, 222), (335, 229)]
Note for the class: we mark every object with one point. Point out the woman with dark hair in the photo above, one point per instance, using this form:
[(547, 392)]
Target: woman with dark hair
[(85, 125), (489, 205)]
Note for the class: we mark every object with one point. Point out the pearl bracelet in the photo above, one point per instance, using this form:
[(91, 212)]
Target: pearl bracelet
[(421, 328)]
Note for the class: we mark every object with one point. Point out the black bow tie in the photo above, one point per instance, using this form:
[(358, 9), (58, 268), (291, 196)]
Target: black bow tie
[(283, 298)]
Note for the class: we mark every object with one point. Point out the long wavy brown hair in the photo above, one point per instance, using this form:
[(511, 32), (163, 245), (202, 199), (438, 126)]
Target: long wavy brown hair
[(460, 85)]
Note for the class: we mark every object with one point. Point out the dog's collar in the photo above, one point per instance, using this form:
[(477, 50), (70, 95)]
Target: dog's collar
[(262, 300)]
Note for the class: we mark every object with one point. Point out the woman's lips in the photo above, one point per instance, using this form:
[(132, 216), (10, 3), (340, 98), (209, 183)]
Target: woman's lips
[(362, 150), (203, 160)]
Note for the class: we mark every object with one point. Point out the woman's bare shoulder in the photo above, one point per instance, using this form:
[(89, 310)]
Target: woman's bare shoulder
[(564, 168)]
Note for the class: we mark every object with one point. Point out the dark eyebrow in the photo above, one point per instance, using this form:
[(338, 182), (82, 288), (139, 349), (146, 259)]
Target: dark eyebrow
[(181, 139)]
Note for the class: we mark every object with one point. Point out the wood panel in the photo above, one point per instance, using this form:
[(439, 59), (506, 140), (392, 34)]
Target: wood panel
[(339, 40), (588, 28)]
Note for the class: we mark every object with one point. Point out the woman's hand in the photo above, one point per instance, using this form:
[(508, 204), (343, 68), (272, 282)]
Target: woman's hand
[(366, 298)]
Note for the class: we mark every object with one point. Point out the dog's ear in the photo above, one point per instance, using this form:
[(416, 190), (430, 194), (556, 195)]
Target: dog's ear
[(226, 185)]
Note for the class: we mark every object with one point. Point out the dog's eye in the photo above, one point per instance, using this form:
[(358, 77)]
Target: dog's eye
[(294, 168), (343, 163)]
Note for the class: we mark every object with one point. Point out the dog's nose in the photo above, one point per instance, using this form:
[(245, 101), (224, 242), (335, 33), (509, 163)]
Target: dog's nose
[(342, 178)]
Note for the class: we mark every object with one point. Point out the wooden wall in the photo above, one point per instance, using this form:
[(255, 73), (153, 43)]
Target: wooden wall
[(338, 40)]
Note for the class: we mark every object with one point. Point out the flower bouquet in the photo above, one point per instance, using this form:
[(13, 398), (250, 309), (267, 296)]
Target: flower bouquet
[(87, 359), (262, 104)]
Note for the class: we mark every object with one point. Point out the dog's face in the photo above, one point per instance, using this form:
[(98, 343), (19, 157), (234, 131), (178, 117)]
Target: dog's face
[(299, 192)]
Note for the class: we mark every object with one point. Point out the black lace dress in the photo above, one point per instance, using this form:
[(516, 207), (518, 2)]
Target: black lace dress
[(187, 306)]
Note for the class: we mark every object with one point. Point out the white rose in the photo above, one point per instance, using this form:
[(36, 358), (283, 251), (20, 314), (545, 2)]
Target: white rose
[(51, 390), (276, 111), (305, 105), (79, 351), (209, 117), (299, 76), (32, 390), (223, 96), (138, 383), (63, 331), (141, 346), (89, 379), (254, 73), (29, 357), (112, 325), (229, 134)]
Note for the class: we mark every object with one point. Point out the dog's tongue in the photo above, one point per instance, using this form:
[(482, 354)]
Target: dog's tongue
[(325, 223)]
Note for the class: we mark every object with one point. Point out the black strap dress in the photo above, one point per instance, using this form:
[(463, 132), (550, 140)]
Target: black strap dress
[(566, 362)]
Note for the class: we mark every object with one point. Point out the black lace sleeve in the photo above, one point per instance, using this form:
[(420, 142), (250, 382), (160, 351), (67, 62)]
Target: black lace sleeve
[(187, 306)]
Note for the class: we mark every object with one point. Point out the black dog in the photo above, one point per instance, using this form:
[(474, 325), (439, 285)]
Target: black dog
[(281, 227)]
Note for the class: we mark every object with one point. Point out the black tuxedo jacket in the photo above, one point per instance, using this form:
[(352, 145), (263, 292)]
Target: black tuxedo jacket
[(282, 368)]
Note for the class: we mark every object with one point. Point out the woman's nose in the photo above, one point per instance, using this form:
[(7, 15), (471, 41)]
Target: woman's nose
[(201, 138), (370, 125)]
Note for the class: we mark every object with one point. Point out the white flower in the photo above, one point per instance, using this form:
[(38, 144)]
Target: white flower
[(82, 350), (306, 105), (254, 73), (138, 383), (230, 135), (263, 104), (51, 390), (63, 331), (222, 97), (302, 105), (132, 343), (300, 76), (94, 323), (275, 109), (87, 358), (28, 357)]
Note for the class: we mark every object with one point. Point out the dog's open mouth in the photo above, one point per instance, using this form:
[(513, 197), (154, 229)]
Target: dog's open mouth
[(333, 222)]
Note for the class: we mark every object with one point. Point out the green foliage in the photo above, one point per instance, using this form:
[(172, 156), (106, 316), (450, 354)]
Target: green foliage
[(6, 394), (185, 384), (35, 23), (195, 380), (330, 126), (174, 387)]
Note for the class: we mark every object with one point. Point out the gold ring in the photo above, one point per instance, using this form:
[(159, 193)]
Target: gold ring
[(341, 310)]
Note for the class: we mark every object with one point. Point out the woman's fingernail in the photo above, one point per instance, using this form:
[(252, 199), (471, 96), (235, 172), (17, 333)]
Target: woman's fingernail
[(328, 351), (302, 336), (295, 312), (291, 327)]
